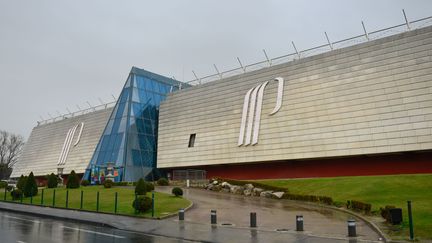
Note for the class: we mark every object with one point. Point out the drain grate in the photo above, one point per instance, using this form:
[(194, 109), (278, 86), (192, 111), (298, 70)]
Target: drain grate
[(282, 230), (227, 224)]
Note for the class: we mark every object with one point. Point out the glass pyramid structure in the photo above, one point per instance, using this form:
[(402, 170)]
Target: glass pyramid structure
[(127, 148)]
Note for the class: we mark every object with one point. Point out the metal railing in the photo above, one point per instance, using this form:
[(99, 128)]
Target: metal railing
[(77, 113), (329, 46)]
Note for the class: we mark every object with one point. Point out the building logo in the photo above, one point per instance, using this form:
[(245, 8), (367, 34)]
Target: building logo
[(68, 142), (251, 116)]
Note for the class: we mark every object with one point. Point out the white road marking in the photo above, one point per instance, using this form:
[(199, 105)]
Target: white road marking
[(11, 217), (94, 232), (18, 241)]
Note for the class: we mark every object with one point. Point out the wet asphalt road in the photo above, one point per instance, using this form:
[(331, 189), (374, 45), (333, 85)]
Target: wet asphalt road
[(20, 228)]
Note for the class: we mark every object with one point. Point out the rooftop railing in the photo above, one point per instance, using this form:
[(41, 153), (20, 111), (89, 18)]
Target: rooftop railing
[(329, 46)]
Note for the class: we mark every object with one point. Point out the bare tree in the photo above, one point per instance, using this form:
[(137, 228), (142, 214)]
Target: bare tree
[(10, 148)]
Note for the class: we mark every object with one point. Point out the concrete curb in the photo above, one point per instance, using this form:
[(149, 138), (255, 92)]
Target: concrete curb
[(51, 215)]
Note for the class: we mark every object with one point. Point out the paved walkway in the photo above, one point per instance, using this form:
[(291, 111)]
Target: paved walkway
[(272, 214), (321, 225)]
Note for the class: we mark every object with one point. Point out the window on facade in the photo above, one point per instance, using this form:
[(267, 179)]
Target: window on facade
[(192, 140)]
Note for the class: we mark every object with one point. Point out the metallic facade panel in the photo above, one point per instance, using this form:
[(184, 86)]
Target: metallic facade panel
[(371, 98), (47, 145)]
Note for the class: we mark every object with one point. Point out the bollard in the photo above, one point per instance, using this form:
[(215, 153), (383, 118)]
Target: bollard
[(42, 197), (67, 198), (97, 202), (31, 198), (352, 228), (81, 202), (187, 183), (21, 197), (299, 222), (253, 220), (213, 218), (53, 198), (4, 199), (411, 228), (181, 214), (115, 203)]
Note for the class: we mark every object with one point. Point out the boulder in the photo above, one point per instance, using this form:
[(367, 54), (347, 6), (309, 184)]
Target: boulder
[(248, 187), (266, 194), (209, 186), (247, 192), (236, 189), (257, 191), (278, 194), (225, 185)]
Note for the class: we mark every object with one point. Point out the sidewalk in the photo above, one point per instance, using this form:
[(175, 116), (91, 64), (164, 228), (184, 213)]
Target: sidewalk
[(172, 228)]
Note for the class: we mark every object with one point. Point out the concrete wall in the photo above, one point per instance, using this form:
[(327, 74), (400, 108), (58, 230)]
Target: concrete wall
[(42, 150), (371, 98)]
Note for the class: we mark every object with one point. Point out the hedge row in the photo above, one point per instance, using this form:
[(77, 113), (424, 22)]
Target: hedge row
[(359, 206), (309, 198)]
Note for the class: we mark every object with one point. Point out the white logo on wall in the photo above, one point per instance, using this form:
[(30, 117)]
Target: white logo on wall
[(251, 116), (68, 142)]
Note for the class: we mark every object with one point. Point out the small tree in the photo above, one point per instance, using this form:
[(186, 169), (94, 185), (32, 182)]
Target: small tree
[(30, 187), (108, 183), (162, 182), (142, 204), (52, 181), (21, 182), (73, 180), (141, 187)]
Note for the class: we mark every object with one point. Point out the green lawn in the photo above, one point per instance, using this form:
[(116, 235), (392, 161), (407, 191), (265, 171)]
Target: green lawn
[(377, 190), (164, 203)]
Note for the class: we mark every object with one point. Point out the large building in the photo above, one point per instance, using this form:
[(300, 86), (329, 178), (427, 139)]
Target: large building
[(359, 110)]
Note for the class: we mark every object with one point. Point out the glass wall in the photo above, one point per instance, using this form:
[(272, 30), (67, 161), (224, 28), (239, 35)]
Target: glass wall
[(129, 141)]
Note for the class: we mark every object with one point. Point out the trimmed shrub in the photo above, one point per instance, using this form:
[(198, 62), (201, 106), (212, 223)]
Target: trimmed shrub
[(30, 187), (85, 183), (359, 206), (141, 187), (73, 180), (142, 204), (52, 181), (163, 182), (9, 188), (385, 212), (21, 182), (3, 184), (16, 194), (150, 186), (108, 183), (177, 191)]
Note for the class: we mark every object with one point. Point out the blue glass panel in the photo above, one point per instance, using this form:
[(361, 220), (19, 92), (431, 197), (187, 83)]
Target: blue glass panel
[(120, 110), (148, 84), (124, 96), (105, 142), (140, 82), (136, 109), (135, 95), (136, 157), (147, 127), (100, 157)]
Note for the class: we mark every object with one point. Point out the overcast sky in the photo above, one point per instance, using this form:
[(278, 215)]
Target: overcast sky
[(57, 54)]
